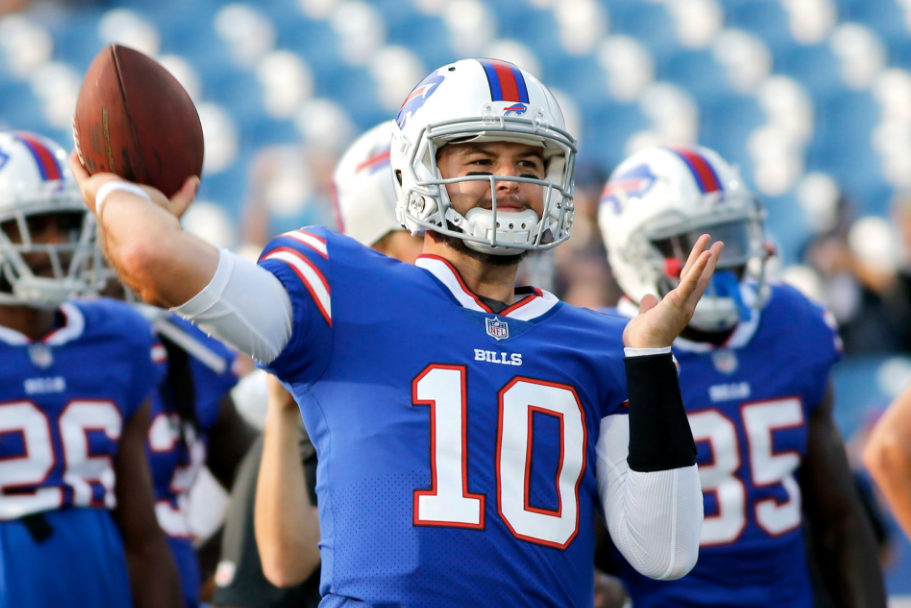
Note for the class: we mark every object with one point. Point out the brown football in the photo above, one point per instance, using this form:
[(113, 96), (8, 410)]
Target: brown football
[(134, 119)]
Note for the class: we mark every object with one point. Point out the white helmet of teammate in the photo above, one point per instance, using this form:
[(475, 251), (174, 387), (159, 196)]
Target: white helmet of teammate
[(482, 100), (653, 209), (364, 193), (34, 181)]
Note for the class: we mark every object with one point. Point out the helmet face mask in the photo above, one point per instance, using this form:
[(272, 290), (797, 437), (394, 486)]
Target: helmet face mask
[(650, 226), (34, 190), (468, 112)]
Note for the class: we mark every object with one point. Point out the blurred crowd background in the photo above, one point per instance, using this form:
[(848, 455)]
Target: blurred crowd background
[(811, 98)]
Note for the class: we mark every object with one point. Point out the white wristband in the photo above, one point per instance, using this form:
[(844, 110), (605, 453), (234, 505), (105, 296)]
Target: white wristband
[(629, 351), (117, 186)]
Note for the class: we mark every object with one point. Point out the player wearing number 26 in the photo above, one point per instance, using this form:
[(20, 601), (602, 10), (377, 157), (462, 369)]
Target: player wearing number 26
[(77, 520), (468, 432), (754, 371)]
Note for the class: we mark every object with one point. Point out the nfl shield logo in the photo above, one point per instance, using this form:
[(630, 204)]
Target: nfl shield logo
[(41, 355), (725, 360), (497, 329)]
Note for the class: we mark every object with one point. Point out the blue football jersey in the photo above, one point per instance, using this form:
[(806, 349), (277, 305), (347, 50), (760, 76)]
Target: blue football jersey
[(64, 402), (456, 446), (749, 402), (176, 460)]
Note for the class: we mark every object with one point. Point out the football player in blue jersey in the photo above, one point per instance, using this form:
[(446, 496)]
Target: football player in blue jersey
[(193, 424), (755, 361), (467, 430), (77, 522), (286, 533)]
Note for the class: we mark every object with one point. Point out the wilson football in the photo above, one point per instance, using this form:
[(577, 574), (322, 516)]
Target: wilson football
[(134, 119)]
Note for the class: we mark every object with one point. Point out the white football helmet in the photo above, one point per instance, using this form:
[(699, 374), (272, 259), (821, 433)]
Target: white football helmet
[(653, 209), (482, 100), (34, 180), (364, 194)]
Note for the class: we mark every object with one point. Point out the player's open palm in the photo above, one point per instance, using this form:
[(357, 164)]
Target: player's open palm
[(659, 323)]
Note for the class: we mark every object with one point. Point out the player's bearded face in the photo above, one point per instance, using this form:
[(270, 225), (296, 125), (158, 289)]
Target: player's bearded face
[(493, 158)]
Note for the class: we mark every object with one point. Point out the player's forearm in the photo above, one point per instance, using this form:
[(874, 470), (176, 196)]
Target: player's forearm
[(655, 517), (152, 254), (889, 462), (287, 525), (647, 475), (888, 458)]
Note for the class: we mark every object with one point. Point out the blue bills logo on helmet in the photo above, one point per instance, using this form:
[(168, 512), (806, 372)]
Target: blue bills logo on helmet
[(418, 97), (633, 183), (516, 109), (497, 329)]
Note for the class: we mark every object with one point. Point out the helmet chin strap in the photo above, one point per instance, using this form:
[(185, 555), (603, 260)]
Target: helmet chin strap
[(722, 306)]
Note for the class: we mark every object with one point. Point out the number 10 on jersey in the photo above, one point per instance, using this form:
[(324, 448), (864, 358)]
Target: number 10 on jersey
[(449, 503)]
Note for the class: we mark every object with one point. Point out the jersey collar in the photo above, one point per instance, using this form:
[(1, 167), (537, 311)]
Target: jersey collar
[(535, 303), (739, 338), (72, 328)]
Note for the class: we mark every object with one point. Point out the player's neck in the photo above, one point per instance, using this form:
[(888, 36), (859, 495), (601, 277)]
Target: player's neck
[(32, 322), (487, 280)]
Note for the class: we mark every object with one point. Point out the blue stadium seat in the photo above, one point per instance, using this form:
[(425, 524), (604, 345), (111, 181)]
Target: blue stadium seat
[(726, 122), (765, 18), (843, 149), (425, 35), (606, 131), (76, 38), (695, 71), (814, 66), (650, 23), (20, 110), (785, 225)]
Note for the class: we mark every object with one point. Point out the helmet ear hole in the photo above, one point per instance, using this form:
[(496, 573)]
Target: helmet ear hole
[(398, 176)]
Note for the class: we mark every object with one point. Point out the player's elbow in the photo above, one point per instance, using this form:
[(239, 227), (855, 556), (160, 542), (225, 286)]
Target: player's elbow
[(677, 563), (288, 568), (886, 454), (662, 541)]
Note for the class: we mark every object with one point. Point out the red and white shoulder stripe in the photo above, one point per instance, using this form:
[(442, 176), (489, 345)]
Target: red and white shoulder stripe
[(309, 274), (317, 244)]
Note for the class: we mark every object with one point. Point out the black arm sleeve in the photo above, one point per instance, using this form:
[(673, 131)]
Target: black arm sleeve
[(659, 432)]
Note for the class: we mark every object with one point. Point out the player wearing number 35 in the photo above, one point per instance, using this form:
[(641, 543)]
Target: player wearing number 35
[(754, 369), (77, 521), (468, 431)]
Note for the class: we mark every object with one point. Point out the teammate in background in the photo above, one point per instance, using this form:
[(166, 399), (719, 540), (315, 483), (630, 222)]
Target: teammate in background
[(280, 470), (469, 427), (77, 518), (193, 424), (754, 370), (888, 458)]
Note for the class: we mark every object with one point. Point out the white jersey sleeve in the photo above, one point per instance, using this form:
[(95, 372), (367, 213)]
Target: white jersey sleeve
[(244, 305), (654, 518)]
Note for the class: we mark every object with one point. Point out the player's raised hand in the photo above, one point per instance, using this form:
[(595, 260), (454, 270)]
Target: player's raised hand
[(659, 323), (89, 185)]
